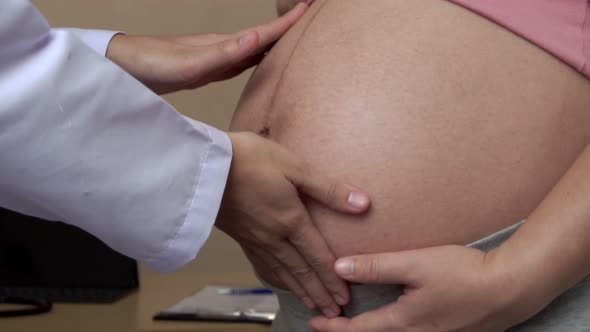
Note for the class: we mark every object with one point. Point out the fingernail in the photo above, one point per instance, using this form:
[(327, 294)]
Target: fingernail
[(329, 313), (340, 299), (308, 303), (358, 200), (344, 267)]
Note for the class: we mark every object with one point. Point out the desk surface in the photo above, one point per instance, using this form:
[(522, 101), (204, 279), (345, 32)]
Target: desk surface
[(83, 318), (134, 313), (220, 262), (161, 291)]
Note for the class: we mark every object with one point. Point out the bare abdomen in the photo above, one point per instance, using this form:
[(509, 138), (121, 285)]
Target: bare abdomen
[(456, 127)]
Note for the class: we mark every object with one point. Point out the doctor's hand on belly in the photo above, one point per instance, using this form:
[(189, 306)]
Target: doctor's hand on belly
[(167, 64), (261, 208)]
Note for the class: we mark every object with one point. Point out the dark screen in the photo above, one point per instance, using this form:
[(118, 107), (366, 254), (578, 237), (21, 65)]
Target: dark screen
[(42, 254)]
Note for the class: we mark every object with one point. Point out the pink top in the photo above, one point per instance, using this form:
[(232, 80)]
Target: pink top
[(562, 27)]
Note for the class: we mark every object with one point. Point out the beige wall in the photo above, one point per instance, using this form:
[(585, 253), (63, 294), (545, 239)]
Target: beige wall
[(213, 104)]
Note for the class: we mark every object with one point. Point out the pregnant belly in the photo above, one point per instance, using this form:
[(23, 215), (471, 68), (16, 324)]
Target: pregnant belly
[(455, 126)]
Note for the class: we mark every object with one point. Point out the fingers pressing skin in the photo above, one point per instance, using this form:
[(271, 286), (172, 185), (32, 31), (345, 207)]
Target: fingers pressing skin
[(230, 52), (308, 260), (311, 282), (281, 272), (282, 263), (167, 64), (263, 269), (263, 211), (271, 32), (233, 71), (227, 54), (446, 288), (310, 243), (337, 196), (390, 268)]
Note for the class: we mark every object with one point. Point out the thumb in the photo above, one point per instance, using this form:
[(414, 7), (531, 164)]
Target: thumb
[(225, 55), (389, 268), (337, 196)]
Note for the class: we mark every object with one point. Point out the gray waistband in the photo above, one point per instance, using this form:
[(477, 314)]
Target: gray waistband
[(493, 241)]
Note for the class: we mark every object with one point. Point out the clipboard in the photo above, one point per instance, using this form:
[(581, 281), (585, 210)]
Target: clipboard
[(215, 303)]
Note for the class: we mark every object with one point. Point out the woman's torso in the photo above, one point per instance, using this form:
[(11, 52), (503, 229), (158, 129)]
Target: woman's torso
[(455, 126)]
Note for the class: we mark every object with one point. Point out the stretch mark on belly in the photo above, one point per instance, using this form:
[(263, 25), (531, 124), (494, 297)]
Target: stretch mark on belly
[(265, 130)]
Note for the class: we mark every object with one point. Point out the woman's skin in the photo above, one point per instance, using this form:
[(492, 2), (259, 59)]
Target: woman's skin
[(482, 292), (261, 208), (457, 128)]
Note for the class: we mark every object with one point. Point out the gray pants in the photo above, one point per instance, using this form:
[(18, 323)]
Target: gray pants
[(568, 313)]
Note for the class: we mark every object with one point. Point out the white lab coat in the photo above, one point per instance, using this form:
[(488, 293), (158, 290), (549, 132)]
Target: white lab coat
[(83, 142)]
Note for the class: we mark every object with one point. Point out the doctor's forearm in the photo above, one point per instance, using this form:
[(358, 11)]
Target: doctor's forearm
[(85, 143), (549, 254)]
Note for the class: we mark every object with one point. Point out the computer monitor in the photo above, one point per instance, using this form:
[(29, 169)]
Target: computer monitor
[(60, 263)]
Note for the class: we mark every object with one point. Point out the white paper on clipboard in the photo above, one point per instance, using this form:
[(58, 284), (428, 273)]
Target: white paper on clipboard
[(210, 305)]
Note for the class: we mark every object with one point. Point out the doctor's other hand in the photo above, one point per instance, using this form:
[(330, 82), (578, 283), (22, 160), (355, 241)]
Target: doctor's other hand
[(447, 288), (167, 64), (262, 210)]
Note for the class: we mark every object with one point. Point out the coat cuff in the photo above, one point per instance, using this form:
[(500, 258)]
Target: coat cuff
[(204, 207), (98, 40)]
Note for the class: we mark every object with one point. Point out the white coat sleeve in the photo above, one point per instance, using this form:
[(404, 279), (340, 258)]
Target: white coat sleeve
[(83, 142), (97, 40)]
